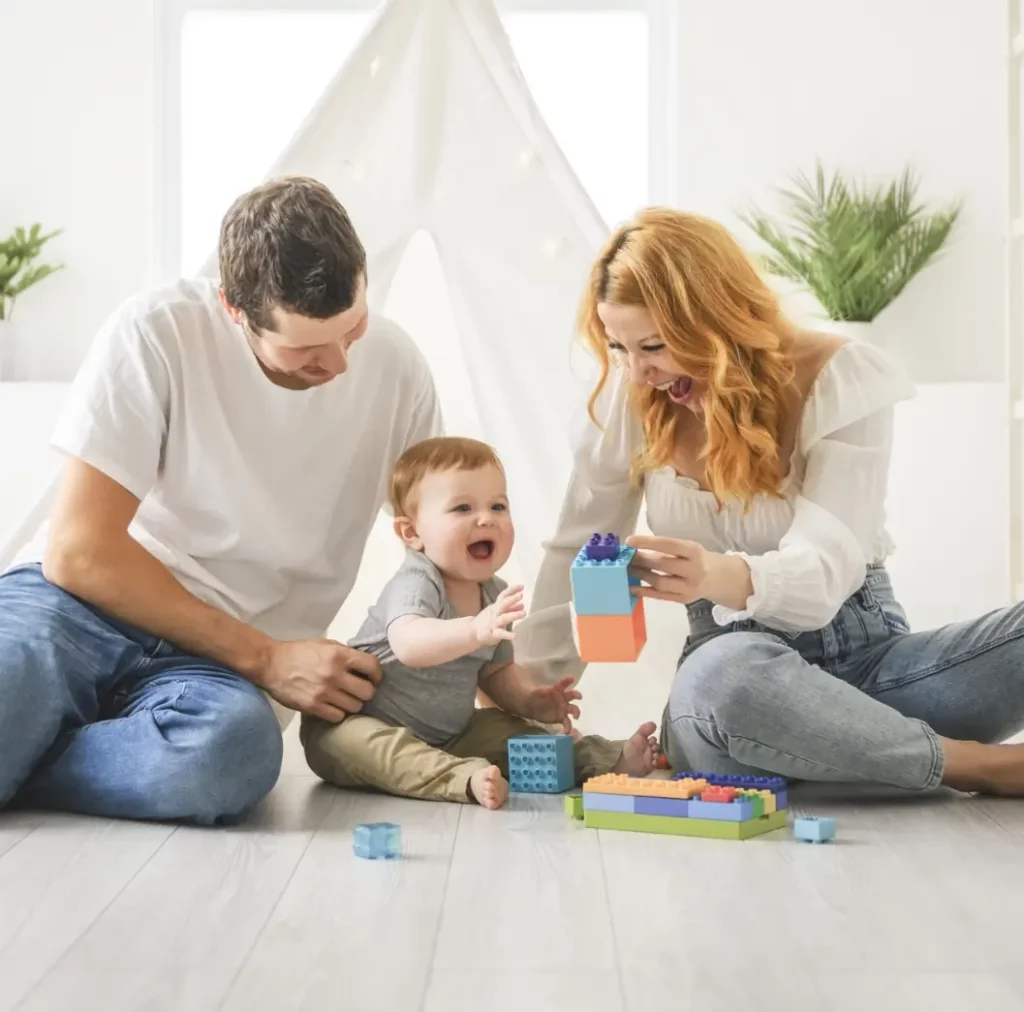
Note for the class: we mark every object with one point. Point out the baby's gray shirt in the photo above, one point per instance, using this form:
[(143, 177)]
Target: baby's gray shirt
[(434, 703)]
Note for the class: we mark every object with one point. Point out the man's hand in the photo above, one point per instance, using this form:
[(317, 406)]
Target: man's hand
[(554, 704), (320, 677), (491, 625)]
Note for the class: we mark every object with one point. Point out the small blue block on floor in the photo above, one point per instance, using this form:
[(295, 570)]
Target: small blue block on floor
[(374, 840), (541, 763), (814, 830)]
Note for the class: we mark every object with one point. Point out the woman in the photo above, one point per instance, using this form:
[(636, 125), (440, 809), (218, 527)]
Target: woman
[(762, 451)]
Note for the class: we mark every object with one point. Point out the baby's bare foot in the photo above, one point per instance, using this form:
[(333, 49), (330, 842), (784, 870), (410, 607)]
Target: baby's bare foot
[(638, 753), (487, 787)]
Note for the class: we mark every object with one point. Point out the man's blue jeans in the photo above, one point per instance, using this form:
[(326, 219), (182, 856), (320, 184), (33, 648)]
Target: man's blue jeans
[(99, 717)]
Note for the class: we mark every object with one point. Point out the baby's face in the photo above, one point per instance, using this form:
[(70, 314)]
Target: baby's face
[(463, 522)]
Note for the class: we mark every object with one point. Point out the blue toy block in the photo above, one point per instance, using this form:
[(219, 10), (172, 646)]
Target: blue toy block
[(594, 801), (602, 546), (677, 807), (774, 784), (814, 830), (602, 586), (541, 763), (373, 840), (721, 811)]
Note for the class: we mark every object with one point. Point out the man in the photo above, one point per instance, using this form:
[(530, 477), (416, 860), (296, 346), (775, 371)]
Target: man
[(227, 452)]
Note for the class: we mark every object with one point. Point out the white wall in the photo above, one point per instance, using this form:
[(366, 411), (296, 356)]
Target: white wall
[(76, 153), (766, 88)]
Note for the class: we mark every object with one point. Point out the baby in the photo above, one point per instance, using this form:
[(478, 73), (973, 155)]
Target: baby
[(442, 630)]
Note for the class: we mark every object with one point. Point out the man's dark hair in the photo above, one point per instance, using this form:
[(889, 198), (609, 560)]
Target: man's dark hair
[(289, 244)]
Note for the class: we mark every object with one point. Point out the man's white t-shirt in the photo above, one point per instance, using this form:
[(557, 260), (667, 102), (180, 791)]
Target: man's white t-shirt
[(258, 498)]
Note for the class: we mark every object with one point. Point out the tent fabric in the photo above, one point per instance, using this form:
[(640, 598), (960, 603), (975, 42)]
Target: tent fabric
[(430, 125)]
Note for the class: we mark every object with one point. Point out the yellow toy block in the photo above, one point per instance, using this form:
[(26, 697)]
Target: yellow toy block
[(621, 783)]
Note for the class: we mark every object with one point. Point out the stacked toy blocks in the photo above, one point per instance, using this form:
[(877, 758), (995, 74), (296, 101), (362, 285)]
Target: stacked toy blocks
[(610, 623), (373, 840), (541, 763), (690, 804)]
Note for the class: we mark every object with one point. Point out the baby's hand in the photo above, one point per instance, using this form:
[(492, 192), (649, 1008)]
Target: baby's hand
[(491, 625), (554, 704)]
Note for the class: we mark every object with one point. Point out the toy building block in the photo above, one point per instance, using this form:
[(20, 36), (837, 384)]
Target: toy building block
[(661, 761), (374, 840), (677, 807), (602, 546), (603, 586), (541, 763), (593, 801), (574, 805), (622, 783), (814, 830), (607, 639), (714, 828)]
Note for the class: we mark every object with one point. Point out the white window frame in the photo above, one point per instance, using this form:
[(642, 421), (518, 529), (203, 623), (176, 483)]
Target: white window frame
[(663, 92), (1015, 297)]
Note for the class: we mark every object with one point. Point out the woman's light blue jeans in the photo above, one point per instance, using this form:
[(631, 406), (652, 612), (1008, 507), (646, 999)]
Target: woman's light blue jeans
[(99, 717), (861, 700)]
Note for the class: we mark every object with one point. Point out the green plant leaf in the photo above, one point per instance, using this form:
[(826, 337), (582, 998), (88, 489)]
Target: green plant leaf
[(855, 248)]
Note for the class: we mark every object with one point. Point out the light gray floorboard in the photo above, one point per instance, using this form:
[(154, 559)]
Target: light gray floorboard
[(916, 906), (350, 933), (175, 935), (54, 885)]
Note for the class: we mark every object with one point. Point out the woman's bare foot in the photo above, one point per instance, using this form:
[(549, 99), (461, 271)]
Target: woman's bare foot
[(488, 788), (988, 769), (637, 757)]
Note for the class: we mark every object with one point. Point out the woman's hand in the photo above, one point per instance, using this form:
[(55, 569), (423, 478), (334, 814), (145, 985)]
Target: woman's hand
[(683, 571)]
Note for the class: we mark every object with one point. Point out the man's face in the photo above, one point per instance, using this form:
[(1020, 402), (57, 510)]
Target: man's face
[(300, 352)]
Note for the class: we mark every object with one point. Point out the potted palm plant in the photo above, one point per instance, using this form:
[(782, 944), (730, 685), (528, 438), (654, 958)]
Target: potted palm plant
[(18, 271), (853, 247)]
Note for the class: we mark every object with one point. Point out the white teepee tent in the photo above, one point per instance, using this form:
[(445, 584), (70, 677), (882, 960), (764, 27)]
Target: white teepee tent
[(429, 125)]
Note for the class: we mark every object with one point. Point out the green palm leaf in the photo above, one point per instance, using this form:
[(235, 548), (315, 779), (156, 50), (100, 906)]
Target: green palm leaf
[(17, 274), (855, 248)]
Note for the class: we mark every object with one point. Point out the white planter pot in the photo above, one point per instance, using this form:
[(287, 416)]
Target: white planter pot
[(867, 332)]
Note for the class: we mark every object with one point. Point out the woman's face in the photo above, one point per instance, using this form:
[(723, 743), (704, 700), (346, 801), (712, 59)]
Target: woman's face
[(634, 340)]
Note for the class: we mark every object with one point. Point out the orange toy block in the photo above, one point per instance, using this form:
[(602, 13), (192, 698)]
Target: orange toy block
[(621, 783), (612, 638), (723, 794)]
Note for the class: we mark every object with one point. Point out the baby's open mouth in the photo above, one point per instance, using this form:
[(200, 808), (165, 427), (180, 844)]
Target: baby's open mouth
[(481, 549)]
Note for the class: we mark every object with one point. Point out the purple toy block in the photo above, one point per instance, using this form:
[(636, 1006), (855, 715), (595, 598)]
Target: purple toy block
[(722, 811), (677, 807), (598, 802), (602, 546)]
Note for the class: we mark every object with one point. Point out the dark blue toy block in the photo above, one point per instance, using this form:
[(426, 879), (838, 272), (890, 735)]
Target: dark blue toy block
[(602, 586), (774, 784), (374, 840), (594, 801), (677, 807), (814, 830), (541, 763), (602, 546)]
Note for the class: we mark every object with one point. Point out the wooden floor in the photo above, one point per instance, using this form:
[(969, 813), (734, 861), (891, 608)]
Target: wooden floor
[(917, 906)]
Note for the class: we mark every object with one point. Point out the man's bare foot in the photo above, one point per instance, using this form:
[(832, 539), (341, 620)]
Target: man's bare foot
[(988, 769), (637, 757), (487, 787)]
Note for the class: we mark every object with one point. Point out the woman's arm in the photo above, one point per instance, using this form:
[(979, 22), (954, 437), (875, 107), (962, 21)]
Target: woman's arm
[(821, 560), (600, 497)]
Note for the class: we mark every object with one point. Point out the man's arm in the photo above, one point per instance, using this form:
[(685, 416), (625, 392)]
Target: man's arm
[(91, 554)]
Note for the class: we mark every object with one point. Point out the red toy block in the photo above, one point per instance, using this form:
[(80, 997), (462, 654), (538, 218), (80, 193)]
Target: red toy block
[(612, 638), (725, 795)]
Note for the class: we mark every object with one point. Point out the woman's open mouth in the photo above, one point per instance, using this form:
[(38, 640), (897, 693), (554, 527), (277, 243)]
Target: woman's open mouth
[(681, 389), (482, 550)]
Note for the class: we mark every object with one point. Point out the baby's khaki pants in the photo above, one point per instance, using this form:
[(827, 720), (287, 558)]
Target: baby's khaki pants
[(366, 752)]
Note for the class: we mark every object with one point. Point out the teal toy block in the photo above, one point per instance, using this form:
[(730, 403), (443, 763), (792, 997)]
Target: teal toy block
[(541, 763), (810, 829), (373, 840), (594, 801), (603, 586)]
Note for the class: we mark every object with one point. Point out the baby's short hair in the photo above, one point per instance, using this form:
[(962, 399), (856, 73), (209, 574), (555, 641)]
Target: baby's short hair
[(442, 453)]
